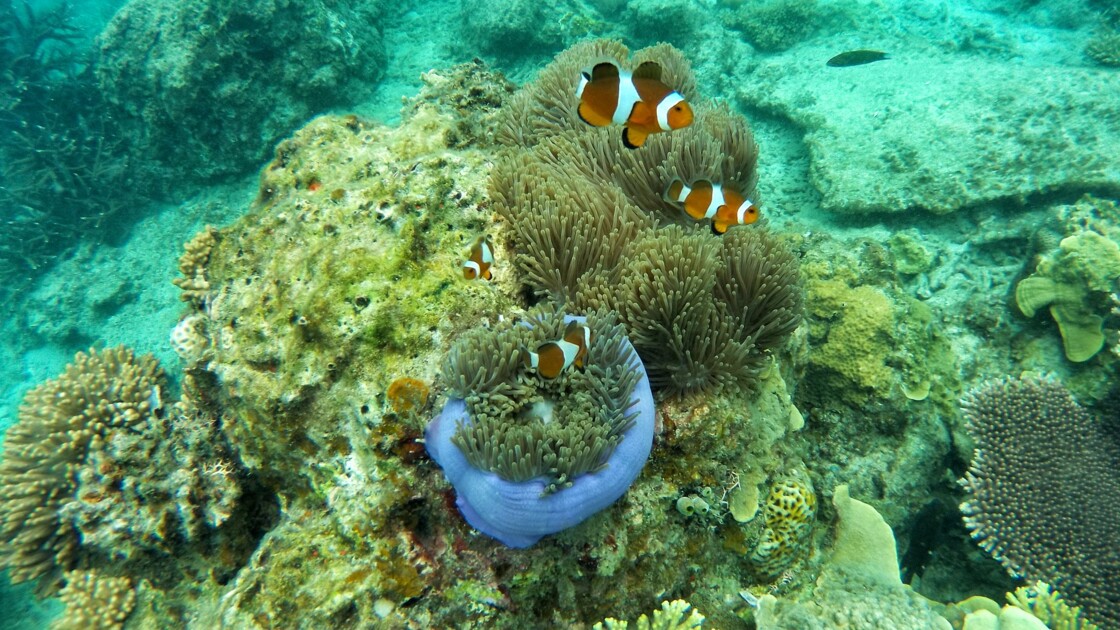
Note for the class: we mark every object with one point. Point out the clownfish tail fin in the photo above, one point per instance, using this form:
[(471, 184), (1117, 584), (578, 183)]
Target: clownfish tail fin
[(529, 359)]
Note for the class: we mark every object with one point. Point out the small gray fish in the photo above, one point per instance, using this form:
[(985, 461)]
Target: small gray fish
[(857, 58)]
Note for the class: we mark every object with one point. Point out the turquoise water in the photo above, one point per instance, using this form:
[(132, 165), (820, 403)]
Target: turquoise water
[(918, 190)]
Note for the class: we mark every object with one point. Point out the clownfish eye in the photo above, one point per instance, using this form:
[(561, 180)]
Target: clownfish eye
[(677, 108)]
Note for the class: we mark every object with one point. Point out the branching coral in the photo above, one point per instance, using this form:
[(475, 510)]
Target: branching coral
[(98, 464), (674, 615), (192, 266), (95, 601), (61, 422), (1044, 488)]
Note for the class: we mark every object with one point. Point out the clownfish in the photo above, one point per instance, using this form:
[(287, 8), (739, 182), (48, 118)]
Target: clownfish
[(705, 200), (553, 357), (638, 100), (480, 259)]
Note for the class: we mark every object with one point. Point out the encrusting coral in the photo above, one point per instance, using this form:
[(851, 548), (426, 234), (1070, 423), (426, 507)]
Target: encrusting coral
[(1044, 490), (593, 229)]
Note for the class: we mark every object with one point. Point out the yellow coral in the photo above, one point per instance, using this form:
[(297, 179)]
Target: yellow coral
[(791, 508), (858, 340)]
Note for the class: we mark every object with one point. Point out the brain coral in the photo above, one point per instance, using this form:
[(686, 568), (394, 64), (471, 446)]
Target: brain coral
[(531, 456), (1045, 491), (593, 231)]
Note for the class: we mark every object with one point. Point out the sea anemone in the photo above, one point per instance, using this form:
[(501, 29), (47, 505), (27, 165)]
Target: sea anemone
[(530, 456)]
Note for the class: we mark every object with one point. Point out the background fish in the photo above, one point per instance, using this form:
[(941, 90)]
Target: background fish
[(857, 58)]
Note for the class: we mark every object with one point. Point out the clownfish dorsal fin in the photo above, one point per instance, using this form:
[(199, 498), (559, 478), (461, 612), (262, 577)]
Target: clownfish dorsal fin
[(648, 70), (604, 70)]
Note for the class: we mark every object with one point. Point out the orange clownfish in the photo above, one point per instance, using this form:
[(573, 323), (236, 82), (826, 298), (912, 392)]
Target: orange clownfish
[(639, 100), (481, 258), (553, 357), (705, 200)]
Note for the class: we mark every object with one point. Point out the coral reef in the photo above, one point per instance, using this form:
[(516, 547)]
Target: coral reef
[(530, 456), (1030, 505), (338, 284), (199, 82), (777, 24), (380, 237)]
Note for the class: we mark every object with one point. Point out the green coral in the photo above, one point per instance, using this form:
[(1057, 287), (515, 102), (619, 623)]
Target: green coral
[(910, 255), (859, 339), (1074, 282)]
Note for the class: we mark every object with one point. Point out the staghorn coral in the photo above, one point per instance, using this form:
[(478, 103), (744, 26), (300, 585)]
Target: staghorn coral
[(95, 602), (1044, 489), (61, 422), (593, 231)]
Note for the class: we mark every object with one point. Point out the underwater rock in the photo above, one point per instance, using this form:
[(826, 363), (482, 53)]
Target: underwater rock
[(999, 132), (200, 81), (518, 512)]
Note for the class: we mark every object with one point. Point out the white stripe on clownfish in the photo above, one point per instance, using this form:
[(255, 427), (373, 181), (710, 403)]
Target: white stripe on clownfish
[(666, 104), (627, 97), (716, 202)]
